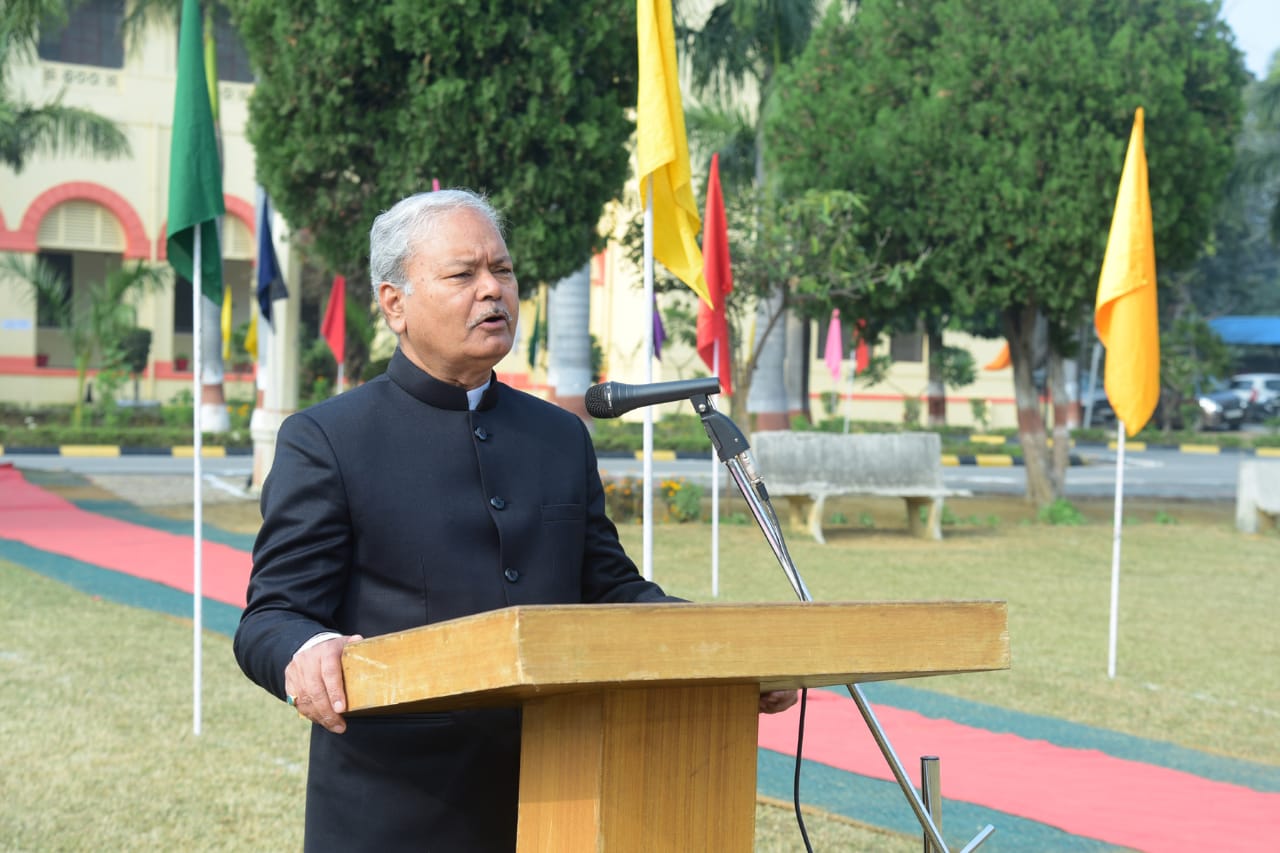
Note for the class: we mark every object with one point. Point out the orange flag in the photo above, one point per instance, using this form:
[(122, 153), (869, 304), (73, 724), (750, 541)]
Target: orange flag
[(1125, 313), (713, 323), (1001, 360)]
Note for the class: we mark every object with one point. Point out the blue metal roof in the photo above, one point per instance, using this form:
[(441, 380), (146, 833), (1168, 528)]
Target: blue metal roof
[(1259, 331)]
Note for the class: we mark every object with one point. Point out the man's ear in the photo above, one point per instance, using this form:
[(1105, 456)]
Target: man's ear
[(391, 300)]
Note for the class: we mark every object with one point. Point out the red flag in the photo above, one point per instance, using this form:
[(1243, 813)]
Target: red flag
[(334, 327), (862, 353), (713, 325)]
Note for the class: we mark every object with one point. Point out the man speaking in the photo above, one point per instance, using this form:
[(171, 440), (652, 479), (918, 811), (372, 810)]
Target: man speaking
[(429, 493)]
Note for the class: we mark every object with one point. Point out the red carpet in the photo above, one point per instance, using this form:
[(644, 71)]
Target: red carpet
[(1083, 792), (41, 520)]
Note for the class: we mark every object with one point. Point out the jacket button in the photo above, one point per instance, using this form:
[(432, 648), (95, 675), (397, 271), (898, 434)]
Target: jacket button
[(497, 503), (511, 575), (482, 433)]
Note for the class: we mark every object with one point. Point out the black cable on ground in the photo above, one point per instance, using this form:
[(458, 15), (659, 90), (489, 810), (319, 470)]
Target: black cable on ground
[(804, 834)]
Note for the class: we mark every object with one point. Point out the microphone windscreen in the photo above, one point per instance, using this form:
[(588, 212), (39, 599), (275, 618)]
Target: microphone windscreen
[(598, 402)]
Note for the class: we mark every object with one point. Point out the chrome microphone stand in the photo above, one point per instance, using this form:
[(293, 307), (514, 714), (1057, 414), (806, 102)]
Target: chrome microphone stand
[(734, 451)]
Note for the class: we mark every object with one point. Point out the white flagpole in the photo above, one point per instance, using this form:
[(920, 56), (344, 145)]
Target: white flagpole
[(715, 497), (647, 463), (197, 522), (1115, 553)]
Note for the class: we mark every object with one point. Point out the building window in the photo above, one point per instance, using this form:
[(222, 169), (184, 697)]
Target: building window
[(47, 309), (92, 36), (183, 319), (907, 346), (233, 60)]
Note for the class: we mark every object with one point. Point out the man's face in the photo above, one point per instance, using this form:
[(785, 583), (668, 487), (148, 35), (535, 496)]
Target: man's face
[(460, 319)]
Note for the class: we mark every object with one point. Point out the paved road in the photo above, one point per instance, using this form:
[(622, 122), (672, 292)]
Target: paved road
[(1156, 472)]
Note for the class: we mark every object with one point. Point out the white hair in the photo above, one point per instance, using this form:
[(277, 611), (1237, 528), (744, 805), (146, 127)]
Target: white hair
[(396, 232)]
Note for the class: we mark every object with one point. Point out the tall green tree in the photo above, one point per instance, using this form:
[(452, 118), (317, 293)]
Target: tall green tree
[(1239, 271), (992, 135), (358, 105), (27, 128)]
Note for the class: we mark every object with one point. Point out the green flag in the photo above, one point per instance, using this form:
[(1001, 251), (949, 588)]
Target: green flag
[(195, 174)]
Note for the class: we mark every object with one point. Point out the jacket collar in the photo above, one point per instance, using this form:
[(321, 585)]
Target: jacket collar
[(423, 386)]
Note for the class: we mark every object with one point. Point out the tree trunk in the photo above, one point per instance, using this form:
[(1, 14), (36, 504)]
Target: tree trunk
[(82, 373), (1019, 329), (936, 391), (1070, 393), (569, 341), (794, 363), (768, 390)]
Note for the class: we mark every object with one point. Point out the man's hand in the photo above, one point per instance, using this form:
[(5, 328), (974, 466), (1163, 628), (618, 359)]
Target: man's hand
[(314, 679), (777, 701)]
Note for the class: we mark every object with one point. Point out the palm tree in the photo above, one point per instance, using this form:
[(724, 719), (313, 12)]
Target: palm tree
[(98, 321), (736, 53), (27, 129)]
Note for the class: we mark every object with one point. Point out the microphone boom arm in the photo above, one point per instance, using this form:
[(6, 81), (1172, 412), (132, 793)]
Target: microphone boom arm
[(733, 450)]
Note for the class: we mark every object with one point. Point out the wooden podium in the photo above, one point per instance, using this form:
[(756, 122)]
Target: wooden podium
[(640, 720)]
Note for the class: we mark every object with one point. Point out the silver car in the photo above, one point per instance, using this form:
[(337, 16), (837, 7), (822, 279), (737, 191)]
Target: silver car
[(1259, 393)]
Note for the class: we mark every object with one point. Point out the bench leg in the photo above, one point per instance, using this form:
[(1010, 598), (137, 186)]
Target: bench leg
[(932, 527), (799, 506), (815, 519)]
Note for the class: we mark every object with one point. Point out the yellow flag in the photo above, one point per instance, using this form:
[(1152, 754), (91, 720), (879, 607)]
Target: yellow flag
[(226, 324), (663, 151), (251, 336), (1125, 313)]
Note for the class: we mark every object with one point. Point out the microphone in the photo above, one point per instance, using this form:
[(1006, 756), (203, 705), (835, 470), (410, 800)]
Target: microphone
[(612, 399)]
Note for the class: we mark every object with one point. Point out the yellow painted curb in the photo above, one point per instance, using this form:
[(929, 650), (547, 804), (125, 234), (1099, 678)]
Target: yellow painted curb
[(994, 460), (987, 439), (659, 455), (950, 459), (1128, 445), (88, 450), (189, 452), (1203, 449), (1268, 451)]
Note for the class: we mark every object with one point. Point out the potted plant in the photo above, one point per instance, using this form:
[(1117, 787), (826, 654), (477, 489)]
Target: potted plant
[(180, 361)]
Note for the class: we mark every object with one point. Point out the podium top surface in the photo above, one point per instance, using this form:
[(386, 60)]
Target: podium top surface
[(509, 656)]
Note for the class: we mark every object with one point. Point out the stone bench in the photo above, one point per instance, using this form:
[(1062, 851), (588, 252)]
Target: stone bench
[(808, 467), (1257, 493)]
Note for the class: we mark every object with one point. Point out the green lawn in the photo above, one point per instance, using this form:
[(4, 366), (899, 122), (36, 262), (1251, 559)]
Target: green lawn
[(95, 717)]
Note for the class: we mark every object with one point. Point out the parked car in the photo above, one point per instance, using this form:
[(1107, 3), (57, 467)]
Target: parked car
[(1100, 413), (1260, 394), (1220, 408)]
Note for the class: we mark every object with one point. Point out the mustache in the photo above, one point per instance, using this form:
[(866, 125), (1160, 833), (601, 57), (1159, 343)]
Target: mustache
[(497, 311)]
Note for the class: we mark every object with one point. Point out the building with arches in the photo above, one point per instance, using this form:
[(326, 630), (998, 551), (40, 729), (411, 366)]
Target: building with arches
[(85, 216)]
